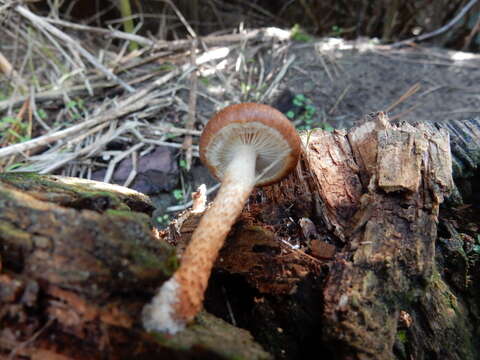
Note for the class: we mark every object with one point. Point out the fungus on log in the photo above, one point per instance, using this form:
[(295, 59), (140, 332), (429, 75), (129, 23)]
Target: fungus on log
[(342, 258), (363, 282), (243, 145)]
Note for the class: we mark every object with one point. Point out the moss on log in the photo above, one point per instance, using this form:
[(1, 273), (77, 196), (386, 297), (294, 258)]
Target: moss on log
[(350, 257), (73, 280)]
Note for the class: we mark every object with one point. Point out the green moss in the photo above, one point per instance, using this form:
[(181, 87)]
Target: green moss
[(14, 236), (216, 336), (435, 276), (402, 336), (148, 259), (447, 297), (75, 191), (128, 214), (145, 252)]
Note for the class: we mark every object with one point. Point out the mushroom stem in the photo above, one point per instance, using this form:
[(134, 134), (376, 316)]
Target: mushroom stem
[(181, 297)]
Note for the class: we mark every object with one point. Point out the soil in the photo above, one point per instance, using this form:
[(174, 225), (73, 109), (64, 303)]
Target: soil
[(346, 80)]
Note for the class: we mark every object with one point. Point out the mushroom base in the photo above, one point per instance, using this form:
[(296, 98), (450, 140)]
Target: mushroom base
[(180, 299)]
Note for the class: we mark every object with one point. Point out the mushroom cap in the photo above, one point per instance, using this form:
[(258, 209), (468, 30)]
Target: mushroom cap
[(272, 135)]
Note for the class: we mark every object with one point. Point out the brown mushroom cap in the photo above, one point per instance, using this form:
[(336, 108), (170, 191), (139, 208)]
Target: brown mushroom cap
[(273, 136)]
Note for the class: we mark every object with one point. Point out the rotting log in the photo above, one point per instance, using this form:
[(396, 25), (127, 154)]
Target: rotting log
[(347, 258), (342, 258), (78, 264)]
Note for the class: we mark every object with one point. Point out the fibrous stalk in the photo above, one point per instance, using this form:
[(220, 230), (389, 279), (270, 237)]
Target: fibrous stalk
[(181, 297)]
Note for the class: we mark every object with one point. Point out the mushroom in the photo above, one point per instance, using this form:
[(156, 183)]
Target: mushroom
[(243, 145)]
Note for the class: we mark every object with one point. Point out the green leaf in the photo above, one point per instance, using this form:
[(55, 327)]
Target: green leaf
[(14, 166), (297, 34), (177, 194), (41, 114), (476, 249), (300, 97), (297, 102), (9, 120), (71, 104)]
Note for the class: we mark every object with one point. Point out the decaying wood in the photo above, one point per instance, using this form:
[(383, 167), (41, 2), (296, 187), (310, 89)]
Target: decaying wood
[(342, 258), (78, 265), (388, 265), (373, 196)]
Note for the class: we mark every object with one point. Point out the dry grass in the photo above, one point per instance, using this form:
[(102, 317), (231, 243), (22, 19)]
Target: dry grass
[(77, 98), (71, 90)]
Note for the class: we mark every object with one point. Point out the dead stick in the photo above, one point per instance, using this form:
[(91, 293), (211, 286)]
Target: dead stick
[(192, 105), (7, 68), (438, 31), (107, 32), (405, 96)]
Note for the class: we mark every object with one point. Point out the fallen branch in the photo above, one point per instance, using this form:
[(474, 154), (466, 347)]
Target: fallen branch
[(438, 31)]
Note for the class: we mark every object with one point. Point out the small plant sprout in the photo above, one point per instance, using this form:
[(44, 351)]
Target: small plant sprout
[(243, 145)]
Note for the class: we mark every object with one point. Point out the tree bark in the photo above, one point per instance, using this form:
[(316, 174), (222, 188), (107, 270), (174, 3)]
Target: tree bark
[(349, 257), (78, 265), (343, 256)]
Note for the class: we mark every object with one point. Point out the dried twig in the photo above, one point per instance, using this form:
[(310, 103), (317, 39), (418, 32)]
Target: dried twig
[(278, 78), (113, 163), (10, 72), (166, 128), (475, 30), (41, 23), (403, 113), (90, 149), (30, 340), (188, 204), (340, 98), (182, 18), (404, 97), (325, 66), (211, 40), (53, 94), (192, 105), (134, 171), (107, 32), (439, 31)]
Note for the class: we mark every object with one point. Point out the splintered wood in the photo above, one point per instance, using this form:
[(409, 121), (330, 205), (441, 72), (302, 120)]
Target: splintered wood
[(388, 261), (370, 197)]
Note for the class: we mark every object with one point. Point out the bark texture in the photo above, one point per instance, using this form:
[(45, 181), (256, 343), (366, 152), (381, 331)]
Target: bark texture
[(349, 257), (73, 281), (343, 258)]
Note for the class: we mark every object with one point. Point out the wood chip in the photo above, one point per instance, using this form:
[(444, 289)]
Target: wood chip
[(322, 250)]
